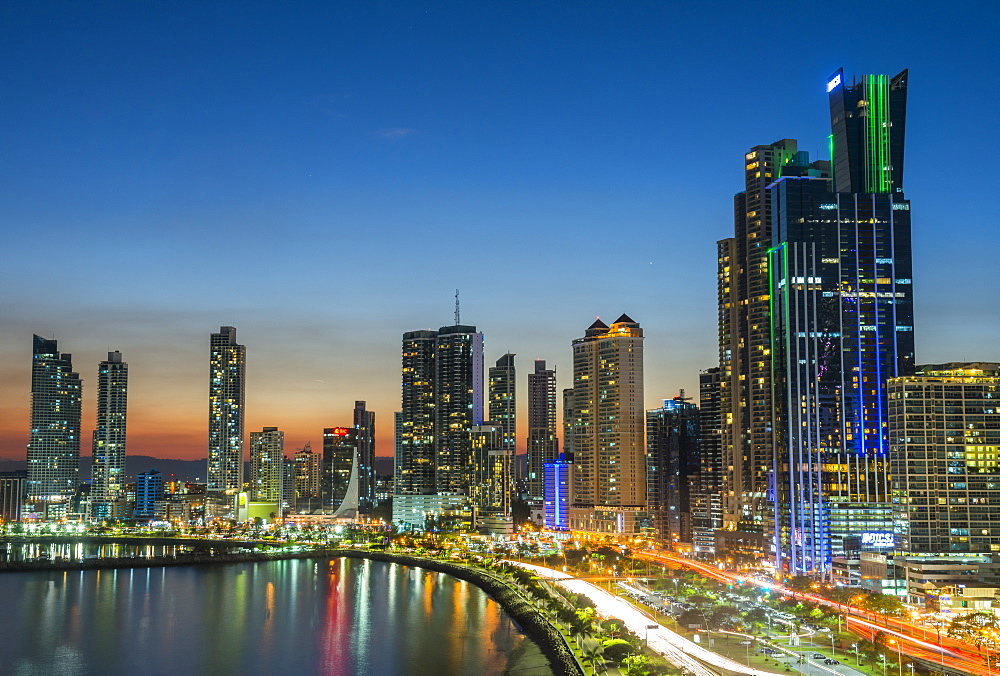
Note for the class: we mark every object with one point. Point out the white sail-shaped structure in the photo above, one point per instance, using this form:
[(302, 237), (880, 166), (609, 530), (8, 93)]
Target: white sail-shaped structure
[(349, 507)]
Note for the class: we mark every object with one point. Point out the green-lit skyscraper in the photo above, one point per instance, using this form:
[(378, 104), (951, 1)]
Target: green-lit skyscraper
[(841, 325)]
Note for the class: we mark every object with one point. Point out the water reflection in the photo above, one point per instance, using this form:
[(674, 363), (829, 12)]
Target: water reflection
[(297, 616)]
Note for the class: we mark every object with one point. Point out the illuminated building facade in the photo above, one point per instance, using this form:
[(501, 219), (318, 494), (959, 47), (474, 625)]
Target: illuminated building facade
[(609, 473), (226, 419), (543, 443), (442, 401), (458, 405), (503, 400), (673, 464), (148, 490), (267, 465), (414, 467), (491, 490), (706, 508), (557, 496), (340, 445), (12, 495), (108, 468), (364, 423), (308, 475), (744, 343), (944, 442), (841, 324), (54, 445)]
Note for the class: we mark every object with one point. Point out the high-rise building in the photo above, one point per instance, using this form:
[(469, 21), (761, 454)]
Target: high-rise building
[(267, 468), (340, 446), (12, 495), (503, 400), (673, 466), (108, 468), (364, 423), (706, 510), (288, 470), (308, 474), (491, 489), (944, 445), (609, 473), (841, 325), (556, 494), (415, 460), (458, 405), (543, 444), (148, 489), (54, 446), (569, 421), (226, 419), (744, 342), (442, 401)]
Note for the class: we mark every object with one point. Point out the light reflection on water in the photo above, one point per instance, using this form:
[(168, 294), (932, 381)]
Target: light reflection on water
[(297, 616)]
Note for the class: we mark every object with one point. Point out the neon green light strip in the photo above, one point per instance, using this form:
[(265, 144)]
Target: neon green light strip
[(879, 177)]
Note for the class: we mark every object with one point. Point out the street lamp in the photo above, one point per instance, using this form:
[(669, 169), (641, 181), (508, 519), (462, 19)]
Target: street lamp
[(857, 659)]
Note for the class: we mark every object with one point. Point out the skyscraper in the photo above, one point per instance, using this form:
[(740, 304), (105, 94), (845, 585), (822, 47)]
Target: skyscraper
[(267, 471), (415, 460), (340, 445), (491, 489), (543, 444), (744, 342), (442, 400), (706, 516), (54, 446), (108, 468), (148, 490), (673, 466), (609, 474), (364, 423), (308, 473), (503, 400), (841, 324), (226, 419), (458, 405)]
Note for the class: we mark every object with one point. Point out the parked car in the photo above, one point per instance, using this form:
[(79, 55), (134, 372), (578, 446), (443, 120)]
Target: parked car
[(819, 656), (830, 661)]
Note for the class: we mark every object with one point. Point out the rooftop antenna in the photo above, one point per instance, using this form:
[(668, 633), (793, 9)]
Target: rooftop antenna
[(458, 312), (682, 397)]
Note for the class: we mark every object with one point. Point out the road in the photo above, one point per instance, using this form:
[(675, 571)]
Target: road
[(953, 654), (678, 650)]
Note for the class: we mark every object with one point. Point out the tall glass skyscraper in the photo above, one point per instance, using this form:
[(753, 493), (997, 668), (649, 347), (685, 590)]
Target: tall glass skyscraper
[(54, 446), (364, 423), (543, 443), (841, 325), (108, 467), (442, 401), (226, 420)]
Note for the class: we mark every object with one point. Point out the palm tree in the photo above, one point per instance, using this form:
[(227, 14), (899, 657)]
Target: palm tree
[(595, 655)]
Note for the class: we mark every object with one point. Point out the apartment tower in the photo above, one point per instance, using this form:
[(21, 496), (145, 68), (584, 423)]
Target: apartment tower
[(609, 474), (108, 468), (54, 445)]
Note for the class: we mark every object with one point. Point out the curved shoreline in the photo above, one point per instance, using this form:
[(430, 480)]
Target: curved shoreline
[(551, 641)]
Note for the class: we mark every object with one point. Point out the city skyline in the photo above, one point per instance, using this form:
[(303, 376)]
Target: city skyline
[(152, 174)]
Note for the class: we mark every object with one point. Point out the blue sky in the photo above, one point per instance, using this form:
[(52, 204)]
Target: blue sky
[(324, 175)]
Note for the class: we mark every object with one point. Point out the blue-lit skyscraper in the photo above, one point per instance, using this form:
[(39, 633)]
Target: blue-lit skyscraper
[(841, 325), (557, 481)]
